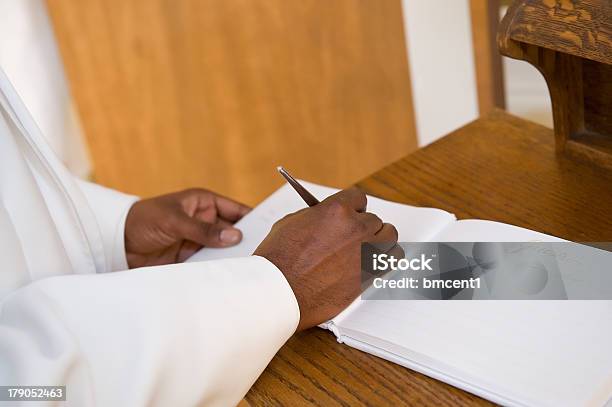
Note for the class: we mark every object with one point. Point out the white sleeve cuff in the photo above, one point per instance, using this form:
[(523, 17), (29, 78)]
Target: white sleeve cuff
[(110, 208)]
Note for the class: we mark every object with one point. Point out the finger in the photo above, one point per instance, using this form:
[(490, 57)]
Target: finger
[(208, 205), (352, 197), (386, 238), (208, 234), (225, 223), (387, 231), (397, 251), (187, 249), (215, 219), (373, 223), (229, 209)]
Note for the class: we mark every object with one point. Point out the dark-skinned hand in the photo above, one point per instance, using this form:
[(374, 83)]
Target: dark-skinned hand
[(318, 250), (170, 228)]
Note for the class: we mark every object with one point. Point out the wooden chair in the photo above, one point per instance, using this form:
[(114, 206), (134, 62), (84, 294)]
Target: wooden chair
[(570, 43)]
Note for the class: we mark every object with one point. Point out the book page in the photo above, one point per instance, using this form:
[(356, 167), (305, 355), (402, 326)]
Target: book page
[(513, 352), (545, 353), (473, 230), (413, 223)]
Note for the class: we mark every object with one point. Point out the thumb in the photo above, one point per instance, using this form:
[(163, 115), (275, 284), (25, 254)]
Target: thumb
[(209, 234)]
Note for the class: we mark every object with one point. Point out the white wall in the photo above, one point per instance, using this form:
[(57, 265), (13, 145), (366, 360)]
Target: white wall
[(526, 92), (30, 58), (441, 61)]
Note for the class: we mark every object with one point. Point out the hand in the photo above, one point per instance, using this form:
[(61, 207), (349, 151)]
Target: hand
[(170, 228), (318, 249)]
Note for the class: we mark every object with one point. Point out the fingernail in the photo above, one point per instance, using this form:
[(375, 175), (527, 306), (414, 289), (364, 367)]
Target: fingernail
[(230, 235)]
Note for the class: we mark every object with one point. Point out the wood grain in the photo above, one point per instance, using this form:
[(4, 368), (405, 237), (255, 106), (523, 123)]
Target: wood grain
[(500, 168), (314, 369), (217, 93), (570, 43), (597, 86), (505, 169), (581, 28), (484, 16)]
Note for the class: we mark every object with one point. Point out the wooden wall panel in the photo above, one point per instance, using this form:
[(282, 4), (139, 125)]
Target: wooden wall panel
[(217, 93)]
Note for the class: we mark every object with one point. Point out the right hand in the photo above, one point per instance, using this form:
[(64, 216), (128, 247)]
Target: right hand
[(318, 249)]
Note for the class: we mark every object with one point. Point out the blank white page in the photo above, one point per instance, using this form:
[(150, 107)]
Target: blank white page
[(549, 353), (413, 223), (542, 353), (473, 230)]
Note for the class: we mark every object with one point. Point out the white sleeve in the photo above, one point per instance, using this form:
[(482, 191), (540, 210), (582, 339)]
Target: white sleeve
[(110, 208), (178, 335)]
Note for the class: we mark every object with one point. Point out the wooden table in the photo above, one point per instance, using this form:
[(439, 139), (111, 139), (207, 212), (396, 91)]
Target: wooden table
[(499, 168)]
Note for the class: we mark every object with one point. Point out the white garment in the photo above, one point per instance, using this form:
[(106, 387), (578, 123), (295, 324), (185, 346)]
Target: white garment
[(178, 335)]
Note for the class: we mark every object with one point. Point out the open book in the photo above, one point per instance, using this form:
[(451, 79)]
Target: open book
[(536, 353)]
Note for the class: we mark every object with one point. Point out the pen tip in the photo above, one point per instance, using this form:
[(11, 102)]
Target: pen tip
[(280, 168)]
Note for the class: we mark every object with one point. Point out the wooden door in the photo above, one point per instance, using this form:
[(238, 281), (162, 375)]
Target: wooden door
[(217, 93)]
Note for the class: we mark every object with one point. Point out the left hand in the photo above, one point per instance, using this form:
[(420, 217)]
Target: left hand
[(170, 228)]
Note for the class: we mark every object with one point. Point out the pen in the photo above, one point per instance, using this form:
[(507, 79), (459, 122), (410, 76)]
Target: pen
[(306, 196)]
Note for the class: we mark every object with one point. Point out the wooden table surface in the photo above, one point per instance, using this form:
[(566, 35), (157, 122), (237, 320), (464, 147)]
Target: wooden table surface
[(499, 168)]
